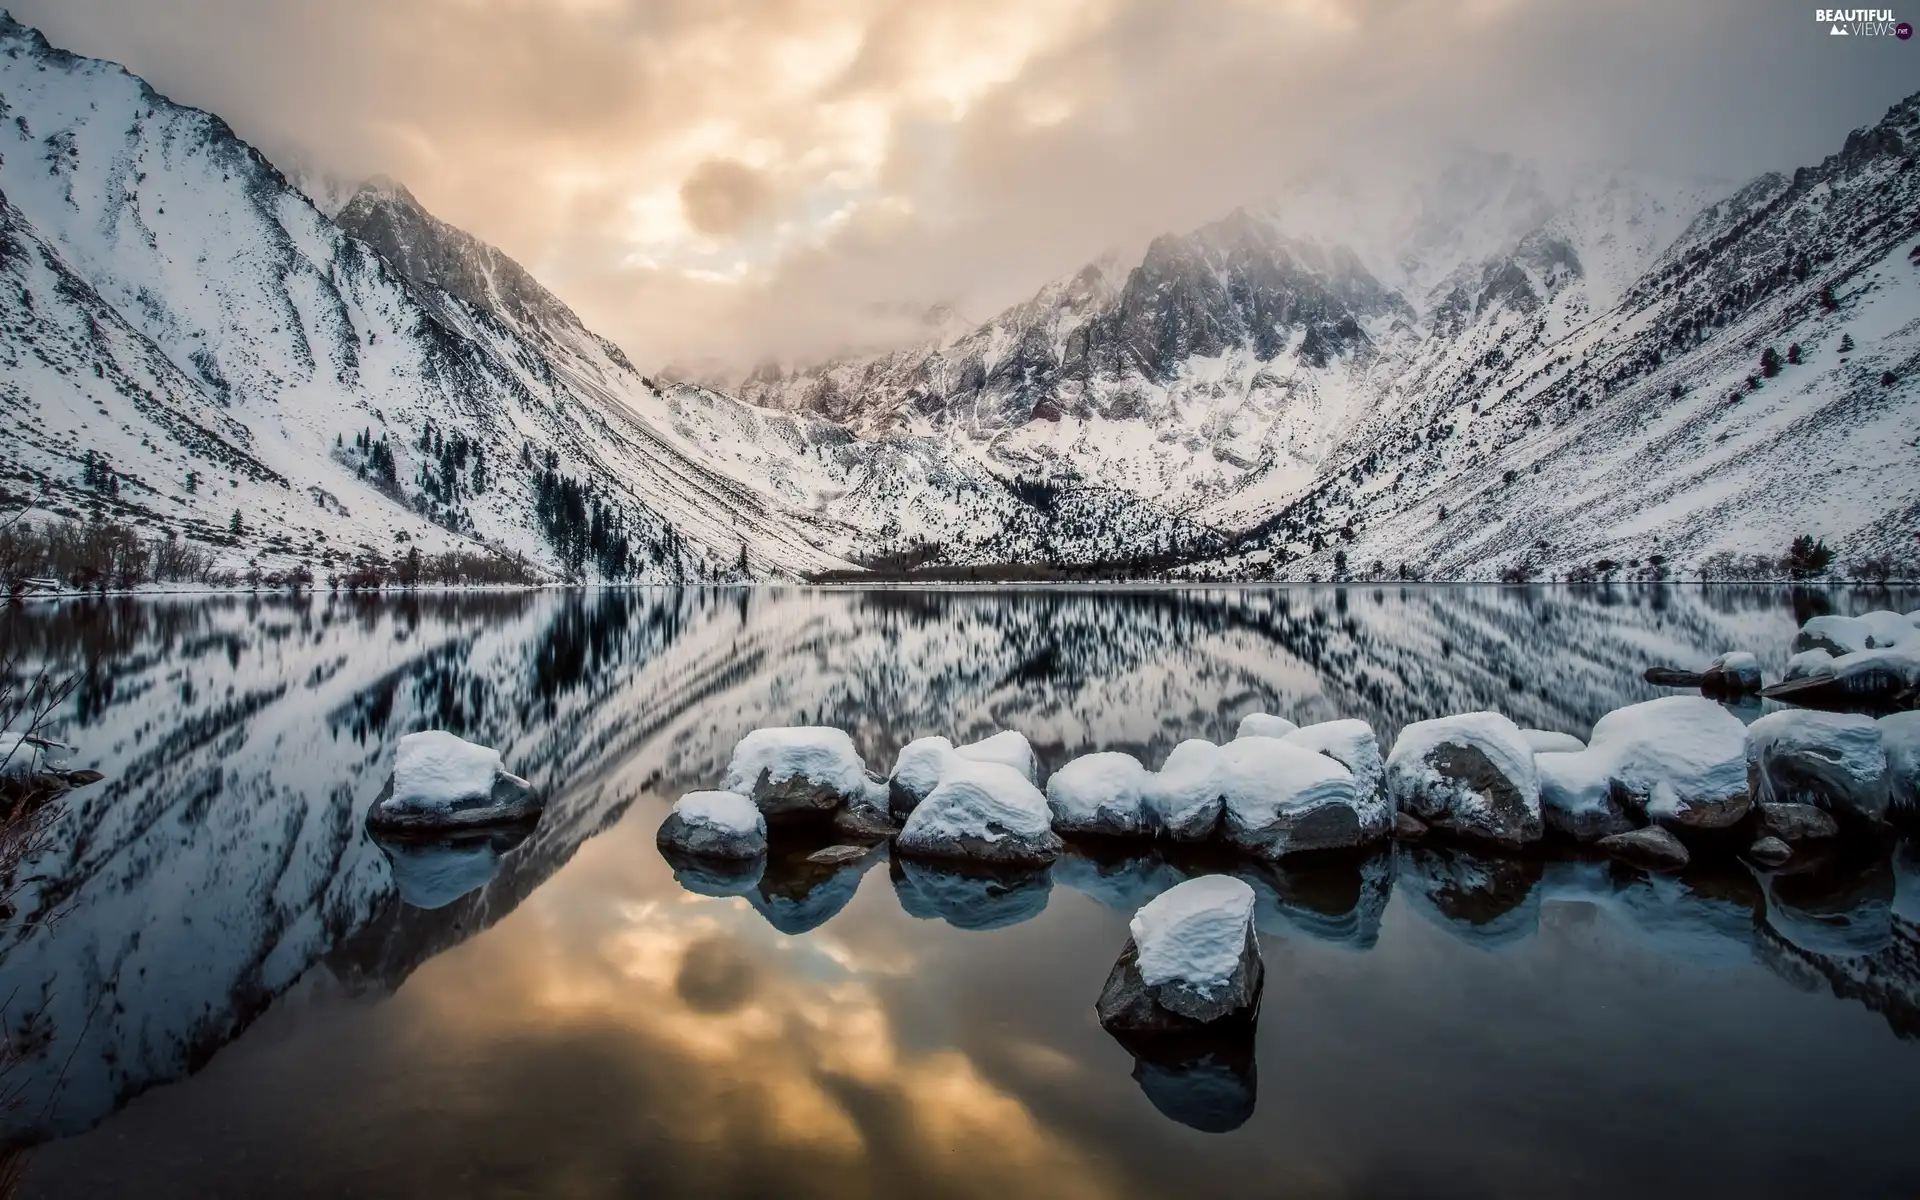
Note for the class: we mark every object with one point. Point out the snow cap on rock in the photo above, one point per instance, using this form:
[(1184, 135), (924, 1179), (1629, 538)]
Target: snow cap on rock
[(1194, 933), (1264, 725)]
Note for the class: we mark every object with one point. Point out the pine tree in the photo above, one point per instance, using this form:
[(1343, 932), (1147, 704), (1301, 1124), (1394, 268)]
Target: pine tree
[(1793, 354), (1846, 343), (1769, 362), (234, 525)]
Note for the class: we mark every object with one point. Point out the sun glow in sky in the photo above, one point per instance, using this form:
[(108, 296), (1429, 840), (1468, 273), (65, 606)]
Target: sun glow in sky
[(721, 181)]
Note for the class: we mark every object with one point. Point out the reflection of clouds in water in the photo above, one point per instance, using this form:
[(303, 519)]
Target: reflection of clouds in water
[(773, 1044)]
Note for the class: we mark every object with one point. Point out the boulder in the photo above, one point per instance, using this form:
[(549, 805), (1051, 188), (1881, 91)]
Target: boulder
[(1770, 852), (1835, 635), (1652, 847), (1833, 761), (441, 781), (984, 812), (1879, 676), (800, 773), (1192, 961), (916, 772), (1673, 677), (1900, 737), (1576, 795), (1352, 744), (714, 825), (1470, 775), (1102, 793), (864, 821), (1808, 664), (1546, 741), (1678, 760), (1408, 828), (1736, 673), (1182, 799), (1007, 748), (1795, 822), (1264, 725), (1280, 799)]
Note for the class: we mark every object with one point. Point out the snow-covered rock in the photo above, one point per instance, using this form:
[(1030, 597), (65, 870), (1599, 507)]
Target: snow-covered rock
[(441, 781), (1833, 761), (1264, 725), (1736, 673), (1471, 775), (1808, 664), (1007, 748), (1280, 799), (1183, 798), (1900, 737), (1795, 822), (984, 812), (1679, 760), (800, 772), (1103, 793), (1547, 741), (715, 825), (1576, 795), (1351, 743), (1192, 960), (916, 772), (1652, 847)]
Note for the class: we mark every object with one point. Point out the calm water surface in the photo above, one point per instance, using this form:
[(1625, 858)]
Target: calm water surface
[(221, 986)]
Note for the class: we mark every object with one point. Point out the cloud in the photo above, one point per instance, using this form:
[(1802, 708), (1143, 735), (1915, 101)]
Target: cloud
[(729, 180)]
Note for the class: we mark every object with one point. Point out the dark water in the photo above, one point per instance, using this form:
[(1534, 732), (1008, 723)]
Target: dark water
[(218, 985)]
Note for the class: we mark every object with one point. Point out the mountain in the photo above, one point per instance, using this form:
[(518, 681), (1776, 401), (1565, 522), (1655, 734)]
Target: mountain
[(191, 345)]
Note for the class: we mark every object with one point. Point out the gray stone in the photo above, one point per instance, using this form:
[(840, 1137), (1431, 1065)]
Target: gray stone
[(1652, 847), (701, 840), (1770, 851), (510, 801), (833, 856), (1796, 822), (1128, 1005), (795, 798), (1834, 761), (1672, 677), (1408, 828), (864, 823)]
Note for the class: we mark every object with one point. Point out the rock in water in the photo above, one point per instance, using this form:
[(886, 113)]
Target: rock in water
[(1678, 760), (1264, 725), (1900, 737), (1183, 800), (1808, 664), (799, 773), (1192, 961), (444, 782), (1672, 677), (984, 812), (1882, 675), (714, 825), (1007, 748), (1408, 828), (1546, 741), (1576, 795), (1736, 673), (1470, 775), (1102, 793), (1280, 799), (1652, 847), (916, 772), (1796, 822), (1351, 743), (1770, 851), (1833, 761)]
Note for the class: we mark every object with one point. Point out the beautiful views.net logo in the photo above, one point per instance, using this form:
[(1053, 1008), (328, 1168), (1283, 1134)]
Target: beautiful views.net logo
[(1862, 22)]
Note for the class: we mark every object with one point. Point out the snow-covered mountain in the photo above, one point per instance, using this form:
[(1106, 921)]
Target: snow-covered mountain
[(1488, 373)]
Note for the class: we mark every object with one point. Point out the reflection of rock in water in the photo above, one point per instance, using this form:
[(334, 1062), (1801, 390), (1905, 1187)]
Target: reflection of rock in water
[(1206, 1081), (796, 894), (973, 896), (433, 872), (719, 877), (1706, 916), (1487, 902), (1335, 898), (1121, 877), (1838, 905)]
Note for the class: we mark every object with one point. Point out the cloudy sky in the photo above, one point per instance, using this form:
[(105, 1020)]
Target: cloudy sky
[(731, 180)]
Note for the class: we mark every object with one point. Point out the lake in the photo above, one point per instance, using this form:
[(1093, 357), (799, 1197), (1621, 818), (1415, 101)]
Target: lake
[(219, 985)]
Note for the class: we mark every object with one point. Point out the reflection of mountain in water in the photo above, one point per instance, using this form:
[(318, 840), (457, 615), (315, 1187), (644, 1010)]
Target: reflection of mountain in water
[(242, 740)]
